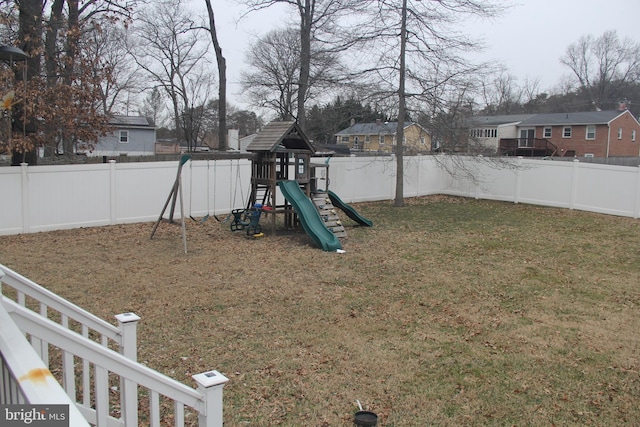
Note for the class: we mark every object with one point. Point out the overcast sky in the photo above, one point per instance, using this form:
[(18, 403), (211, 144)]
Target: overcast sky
[(528, 39)]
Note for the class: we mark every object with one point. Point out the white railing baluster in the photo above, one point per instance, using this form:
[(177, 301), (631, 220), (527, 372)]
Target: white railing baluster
[(178, 409), (68, 367), (21, 299), (102, 395), (43, 345), (154, 409), (86, 374)]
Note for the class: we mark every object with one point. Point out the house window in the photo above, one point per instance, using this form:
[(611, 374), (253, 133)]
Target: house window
[(619, 133), (366, 138), (566, 132), (591, 132), (124, 136), (546, 133), (345, 139), (633, 135), (381, 139), (588, 155), (422, 140)]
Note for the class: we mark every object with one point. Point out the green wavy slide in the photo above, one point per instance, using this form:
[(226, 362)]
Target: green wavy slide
[(309, 217), (351, 213)]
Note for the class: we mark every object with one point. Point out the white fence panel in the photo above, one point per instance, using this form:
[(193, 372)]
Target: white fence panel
[(607, 189), (456, 182), (361, 179), (11, 202), (546, 183), (431, 177), (140, 190), (488, 178), (67, 197)]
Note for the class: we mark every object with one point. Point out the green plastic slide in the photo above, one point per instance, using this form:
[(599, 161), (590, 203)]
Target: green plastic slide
[(309, 217), (351, 213)]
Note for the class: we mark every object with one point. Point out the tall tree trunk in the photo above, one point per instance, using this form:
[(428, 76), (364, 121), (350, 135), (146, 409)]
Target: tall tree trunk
[(72, 53), (73, 38), (399, 199), (50, 45), (222, 81), (30, 34), (306, 8)]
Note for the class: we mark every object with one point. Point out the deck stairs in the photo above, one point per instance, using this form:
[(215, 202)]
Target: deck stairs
[(328, 213)]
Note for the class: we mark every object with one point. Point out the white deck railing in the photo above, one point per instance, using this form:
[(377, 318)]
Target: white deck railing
[(108, 394), (23, 376)]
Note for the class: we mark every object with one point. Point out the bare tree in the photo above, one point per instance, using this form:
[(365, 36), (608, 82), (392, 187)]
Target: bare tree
[(426, 56), (597, 63), (273, 78), (169, 49), (108, 48), (501, 94), (153, 106), (222, 81), (323, 22)]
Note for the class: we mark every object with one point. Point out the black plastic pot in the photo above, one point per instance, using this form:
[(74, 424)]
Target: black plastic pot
[(365, 419)]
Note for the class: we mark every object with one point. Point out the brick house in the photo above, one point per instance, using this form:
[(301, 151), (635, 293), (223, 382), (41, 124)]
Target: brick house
[(381, 137), (582, 134)]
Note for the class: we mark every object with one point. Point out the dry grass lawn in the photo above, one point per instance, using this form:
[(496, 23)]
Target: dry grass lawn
[(448, 311)]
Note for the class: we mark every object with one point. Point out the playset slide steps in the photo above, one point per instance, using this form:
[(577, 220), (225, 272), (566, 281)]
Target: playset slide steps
[(328, 214)]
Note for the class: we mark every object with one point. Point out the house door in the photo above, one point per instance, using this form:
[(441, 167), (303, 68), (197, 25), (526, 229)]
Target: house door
[(526, 138)]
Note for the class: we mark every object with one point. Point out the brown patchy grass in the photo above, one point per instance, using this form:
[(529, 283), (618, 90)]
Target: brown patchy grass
[(449, 311)]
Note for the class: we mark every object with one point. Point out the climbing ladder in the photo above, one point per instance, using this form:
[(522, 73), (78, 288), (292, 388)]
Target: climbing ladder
[(328, 213)]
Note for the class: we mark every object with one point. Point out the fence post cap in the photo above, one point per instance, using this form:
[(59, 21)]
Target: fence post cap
[(127, 317), (210, 379)]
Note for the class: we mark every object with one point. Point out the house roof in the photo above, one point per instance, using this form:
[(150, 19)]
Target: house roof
[(548, 119), (499, 120), (131, 121), (281, 136), (585, 118), (381, 128)]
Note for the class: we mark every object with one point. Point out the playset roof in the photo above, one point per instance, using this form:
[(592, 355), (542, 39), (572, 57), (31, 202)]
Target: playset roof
[(281, 136)]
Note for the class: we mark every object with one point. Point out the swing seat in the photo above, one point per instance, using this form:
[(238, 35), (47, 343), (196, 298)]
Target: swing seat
[(246, 218)]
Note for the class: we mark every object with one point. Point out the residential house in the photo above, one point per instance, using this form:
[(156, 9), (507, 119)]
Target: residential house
[(583, 134), (131, 135), (487, 131), (381, 137)]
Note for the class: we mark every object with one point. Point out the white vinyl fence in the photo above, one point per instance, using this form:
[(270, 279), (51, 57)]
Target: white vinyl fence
[(44, 198)]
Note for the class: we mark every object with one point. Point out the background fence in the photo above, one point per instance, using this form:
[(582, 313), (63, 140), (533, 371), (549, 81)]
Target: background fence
[(44, 198)]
